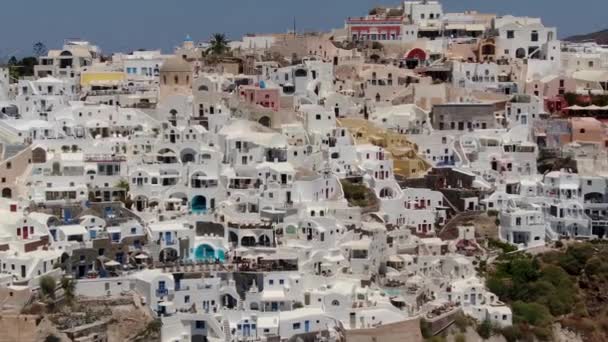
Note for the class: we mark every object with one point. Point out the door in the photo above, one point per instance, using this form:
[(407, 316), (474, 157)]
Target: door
[(67, 215), (306, 326), (25, 233), (274, 306), (168, 238)]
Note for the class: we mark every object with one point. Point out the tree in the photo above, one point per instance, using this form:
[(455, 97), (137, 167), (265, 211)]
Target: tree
[(124, 195), (40, 49), (69, 288), (218, 45), (47, 287)]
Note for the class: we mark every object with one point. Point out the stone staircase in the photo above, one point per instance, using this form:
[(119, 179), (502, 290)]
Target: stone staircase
[(11, 150), (226, 328)]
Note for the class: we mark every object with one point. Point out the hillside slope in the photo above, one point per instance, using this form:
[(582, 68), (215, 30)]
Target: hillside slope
[(600, 37)]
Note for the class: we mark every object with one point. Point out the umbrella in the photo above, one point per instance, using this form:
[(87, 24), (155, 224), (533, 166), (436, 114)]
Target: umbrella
[(141, 256), (112, 263)]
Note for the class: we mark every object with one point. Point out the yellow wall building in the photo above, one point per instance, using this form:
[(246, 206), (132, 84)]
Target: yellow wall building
[(101, 78)]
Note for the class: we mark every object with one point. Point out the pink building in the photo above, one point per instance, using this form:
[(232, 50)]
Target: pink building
[(261, 96), (589, 130), (551, 86)]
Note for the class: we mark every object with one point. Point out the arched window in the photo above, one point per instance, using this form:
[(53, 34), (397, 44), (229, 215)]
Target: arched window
[(335, 302)]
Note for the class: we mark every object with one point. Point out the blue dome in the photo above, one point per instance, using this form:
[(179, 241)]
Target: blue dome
[(188, 38)]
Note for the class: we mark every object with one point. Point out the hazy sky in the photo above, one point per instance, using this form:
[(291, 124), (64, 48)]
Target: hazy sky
[(126, 25)]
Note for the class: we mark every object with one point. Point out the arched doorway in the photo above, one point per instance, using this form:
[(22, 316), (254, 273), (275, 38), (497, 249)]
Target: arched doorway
[(7, 193), (204, 252), (520, 53), (199, 204), (265, 121), (187, 155), (386, 193), (228, 301), (38, 155), (248, 241), (264, 240)]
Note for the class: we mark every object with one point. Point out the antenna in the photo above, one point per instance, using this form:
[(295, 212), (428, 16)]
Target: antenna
[(294, 26)]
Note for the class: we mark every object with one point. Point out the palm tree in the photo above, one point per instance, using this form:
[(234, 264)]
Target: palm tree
[(218, 44)]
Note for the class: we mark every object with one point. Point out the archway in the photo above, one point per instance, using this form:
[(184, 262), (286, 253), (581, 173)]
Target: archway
[(520, 53), (38, 155), (141, 202), (264, 240), (204, 252), (233, 238), (301, 73), (265, 121), (199, 204), (248, 241), (228, 301), (187, 155), (416, 53), (7, 193), (386, 193), (168, 255)]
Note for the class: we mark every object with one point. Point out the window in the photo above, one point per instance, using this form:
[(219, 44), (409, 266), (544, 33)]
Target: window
[(270, 281), (534, 36), (296, 326), (9, 165), (200, 324), (510, 34), (335, 303), (518, 221), (281, 281), (582, 131)]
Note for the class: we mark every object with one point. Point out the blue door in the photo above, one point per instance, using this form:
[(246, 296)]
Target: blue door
[(168, 238), (306, 326), (246, 330), (274, 306), (67, 215)]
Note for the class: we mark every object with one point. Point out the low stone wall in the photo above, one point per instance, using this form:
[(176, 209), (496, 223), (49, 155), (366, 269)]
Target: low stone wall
[(406, 331)]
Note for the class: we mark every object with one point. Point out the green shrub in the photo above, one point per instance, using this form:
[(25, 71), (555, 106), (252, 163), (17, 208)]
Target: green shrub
[(531, 313), (543, 333), (425, 329), (512, 333), (462, 322), (493, 212), (47, 287), (485, 329)]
